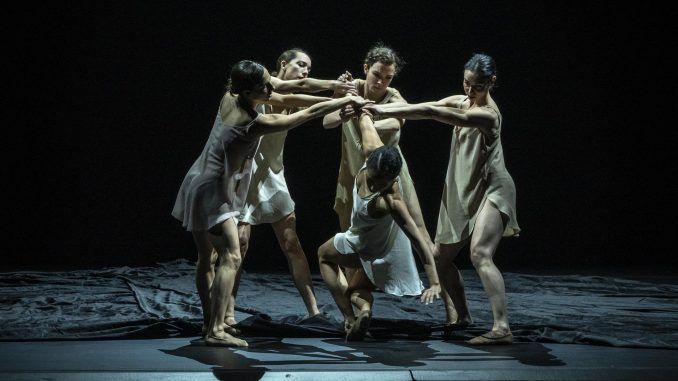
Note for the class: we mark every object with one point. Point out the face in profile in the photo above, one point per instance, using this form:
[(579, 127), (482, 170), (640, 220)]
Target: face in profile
[(378, 77), (297, 68), (262, 91)]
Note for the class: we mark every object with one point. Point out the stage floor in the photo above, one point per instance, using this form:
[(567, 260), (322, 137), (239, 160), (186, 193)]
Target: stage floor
[(329, 359), (143, 324)]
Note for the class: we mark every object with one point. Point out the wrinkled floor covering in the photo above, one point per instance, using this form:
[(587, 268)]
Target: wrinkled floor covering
[(161, 302)]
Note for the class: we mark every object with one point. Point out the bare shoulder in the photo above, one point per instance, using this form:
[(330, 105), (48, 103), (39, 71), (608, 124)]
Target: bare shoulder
[(453, 100), (378, 207)]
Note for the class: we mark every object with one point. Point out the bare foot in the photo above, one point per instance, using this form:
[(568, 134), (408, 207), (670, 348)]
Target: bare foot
[(492, 338), (224, 340), (358, 330)]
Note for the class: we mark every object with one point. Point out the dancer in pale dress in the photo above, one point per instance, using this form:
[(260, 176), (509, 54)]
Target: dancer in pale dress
[(479, 197), (213, 192), (268, 199), (381, 64), (377, 243)]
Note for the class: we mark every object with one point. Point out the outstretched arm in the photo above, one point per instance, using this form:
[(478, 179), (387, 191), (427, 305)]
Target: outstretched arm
[(269, 123), (310, 85), (402, 217), (440, 111), (295, 100)]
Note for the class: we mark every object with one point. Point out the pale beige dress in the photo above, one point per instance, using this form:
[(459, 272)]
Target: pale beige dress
[(352, 157), (476, 173)]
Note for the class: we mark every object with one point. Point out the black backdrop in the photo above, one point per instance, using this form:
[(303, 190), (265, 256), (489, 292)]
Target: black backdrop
[(115, 101)]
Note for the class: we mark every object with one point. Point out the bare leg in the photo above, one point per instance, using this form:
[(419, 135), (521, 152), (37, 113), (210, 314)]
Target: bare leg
[(484, 241), (453, 295), (204, 274), (228, 249), (361, 290), (244, 231), (329, 260), (286, 232)]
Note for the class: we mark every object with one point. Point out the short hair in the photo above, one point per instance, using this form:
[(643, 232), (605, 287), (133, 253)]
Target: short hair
[(384, 54), (287, 56), (245, 75), (483, 65), (385, 160)]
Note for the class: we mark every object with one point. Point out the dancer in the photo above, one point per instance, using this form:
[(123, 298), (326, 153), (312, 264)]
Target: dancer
[(212, 194), (478, 204), (377, 242), (268, 200), (380, 66)]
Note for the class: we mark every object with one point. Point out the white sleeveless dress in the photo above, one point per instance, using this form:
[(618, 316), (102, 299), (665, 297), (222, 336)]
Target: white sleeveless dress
[(383, 248), (268, 198)]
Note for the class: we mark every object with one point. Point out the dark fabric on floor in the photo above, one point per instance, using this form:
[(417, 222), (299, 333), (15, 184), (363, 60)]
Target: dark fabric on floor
[(161, 301)]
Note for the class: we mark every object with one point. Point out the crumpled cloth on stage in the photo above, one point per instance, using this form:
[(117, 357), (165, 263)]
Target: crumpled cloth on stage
[(161, 301)]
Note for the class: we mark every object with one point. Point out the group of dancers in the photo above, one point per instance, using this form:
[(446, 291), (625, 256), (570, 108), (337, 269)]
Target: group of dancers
[(238, 181)]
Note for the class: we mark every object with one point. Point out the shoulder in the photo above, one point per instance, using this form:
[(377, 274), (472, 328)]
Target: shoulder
[(454, 100), (394, 96)]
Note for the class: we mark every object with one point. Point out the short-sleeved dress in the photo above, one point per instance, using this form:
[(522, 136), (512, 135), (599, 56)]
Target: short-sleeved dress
[(476, 173), (215, 187), (352, 157), (268, 198), (383, 248)]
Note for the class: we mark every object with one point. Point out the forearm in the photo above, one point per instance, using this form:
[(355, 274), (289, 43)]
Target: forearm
[(407, 111), (323, 108), (303, 100), (309, 85), (332, 120), (388, 124)]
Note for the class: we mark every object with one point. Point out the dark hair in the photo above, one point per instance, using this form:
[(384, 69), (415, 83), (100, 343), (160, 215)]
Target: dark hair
[(384, 54), (483, 65), (245, 75), (385, 160), (287, 56)]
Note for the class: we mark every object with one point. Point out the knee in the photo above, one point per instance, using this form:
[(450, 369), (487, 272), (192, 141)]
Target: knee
[(481, 257), (244, 242), (291, 245), (322, 253), (232, 260)]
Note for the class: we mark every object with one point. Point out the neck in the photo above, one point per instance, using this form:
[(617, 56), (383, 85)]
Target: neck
[(247, 104)]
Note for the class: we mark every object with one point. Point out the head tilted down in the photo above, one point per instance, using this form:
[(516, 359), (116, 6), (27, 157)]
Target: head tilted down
[(383, 167), (250, 79)]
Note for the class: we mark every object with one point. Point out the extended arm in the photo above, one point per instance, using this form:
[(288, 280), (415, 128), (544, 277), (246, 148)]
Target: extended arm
[(269, 123), (402, 217), (310, 85), (475, 117), (295, 100)]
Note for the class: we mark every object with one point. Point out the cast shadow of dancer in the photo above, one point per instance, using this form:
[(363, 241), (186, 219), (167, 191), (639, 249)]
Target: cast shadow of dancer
[(265, 354), (526, 352)]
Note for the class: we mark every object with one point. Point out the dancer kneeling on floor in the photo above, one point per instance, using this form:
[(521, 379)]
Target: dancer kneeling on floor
[(378, 241)]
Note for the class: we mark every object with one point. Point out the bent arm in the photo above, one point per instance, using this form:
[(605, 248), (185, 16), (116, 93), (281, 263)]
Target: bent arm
[(403, 218), (308, 85), (332, 120), (270, 123), (295, 100)]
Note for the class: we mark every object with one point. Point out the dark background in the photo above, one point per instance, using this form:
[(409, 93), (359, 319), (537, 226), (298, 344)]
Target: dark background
[(115, 101)]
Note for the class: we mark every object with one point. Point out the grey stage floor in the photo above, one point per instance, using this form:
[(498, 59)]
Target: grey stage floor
[(139, 324), (329, 359)]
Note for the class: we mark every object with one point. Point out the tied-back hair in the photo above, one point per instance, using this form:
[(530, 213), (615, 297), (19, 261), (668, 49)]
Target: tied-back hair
[(245, 75), (384, 54), (287, 56), (385, 160), (483, 65)]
